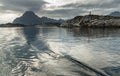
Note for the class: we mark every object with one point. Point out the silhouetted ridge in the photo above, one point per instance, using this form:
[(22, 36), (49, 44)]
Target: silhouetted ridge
[(30, 14), (30, 18), (116, 13)]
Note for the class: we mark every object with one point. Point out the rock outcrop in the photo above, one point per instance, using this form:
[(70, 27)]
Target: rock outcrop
[(93, 21)]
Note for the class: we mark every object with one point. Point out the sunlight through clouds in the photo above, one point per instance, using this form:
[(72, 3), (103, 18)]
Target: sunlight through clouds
[(7, 17), (56, 4), (64, 2), (61, 2), (1, 4), (71, 4)]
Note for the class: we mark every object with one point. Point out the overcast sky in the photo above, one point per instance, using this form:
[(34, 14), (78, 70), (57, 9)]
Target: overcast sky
[(10, 9)]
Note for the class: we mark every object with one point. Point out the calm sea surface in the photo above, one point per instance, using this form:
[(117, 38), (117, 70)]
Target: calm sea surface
[(98, 48)]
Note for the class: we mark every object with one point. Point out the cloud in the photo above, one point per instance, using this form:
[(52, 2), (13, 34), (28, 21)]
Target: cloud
[(97, 7), (14, 8), (59, 8), (22, 5), (64, 13)]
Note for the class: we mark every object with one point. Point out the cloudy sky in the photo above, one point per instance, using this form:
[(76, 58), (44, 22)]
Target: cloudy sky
[(10, 9)]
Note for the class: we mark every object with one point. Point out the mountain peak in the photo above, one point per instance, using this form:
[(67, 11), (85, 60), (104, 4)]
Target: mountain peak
[(30, 18), (29, 13)]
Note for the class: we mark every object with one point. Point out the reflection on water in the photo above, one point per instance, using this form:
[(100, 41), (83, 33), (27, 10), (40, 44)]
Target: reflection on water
[(30, 33), (97, 47), (95, 32)]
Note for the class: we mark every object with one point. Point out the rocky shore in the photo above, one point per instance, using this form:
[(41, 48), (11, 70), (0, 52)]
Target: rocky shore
[(93, 21)]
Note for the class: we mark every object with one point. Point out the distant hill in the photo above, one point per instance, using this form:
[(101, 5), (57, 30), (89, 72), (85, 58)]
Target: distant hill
[(30, 18), (11, 25), (116, 13)]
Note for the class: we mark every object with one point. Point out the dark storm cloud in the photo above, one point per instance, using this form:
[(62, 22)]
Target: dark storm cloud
[(102, 7), (63, 11), (103, 4), (21, 5), (74, 9)]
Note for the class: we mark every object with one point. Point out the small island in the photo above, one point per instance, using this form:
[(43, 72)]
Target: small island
[(96, 21), (93, 21), (12, 25)]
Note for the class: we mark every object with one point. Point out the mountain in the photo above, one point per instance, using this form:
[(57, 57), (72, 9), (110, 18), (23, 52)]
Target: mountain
[(30, 18), (116, 13)]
